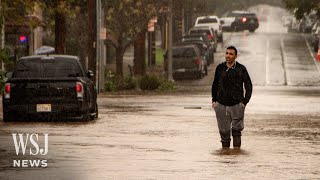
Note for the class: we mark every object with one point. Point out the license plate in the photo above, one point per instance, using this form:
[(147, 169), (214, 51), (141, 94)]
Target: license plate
[(43, 107), (181, 70)]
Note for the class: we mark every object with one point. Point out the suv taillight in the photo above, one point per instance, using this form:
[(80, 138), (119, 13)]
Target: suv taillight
[(198, 60), (244, 19), (7, 90), (210, 36), (79, 90)]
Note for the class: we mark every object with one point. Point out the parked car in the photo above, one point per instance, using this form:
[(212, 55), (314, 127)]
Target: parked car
[(286, 20), (240, 20), (315, 26), (212, 36), (202, 38), (315, 35), (204, 49), (213, 22), (47, 86), (306, 23), (187, 60), (294, 25), (315, 39)]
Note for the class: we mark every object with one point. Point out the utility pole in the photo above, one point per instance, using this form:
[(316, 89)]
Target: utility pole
[(92, 38), (170, 78), (100, 47), (2, 34)]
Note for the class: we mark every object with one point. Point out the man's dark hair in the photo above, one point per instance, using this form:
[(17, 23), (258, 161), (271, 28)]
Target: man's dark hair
[(233, 48)]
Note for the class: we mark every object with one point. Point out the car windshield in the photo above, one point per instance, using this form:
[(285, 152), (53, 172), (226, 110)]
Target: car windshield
[(207, 20), (27, 68)]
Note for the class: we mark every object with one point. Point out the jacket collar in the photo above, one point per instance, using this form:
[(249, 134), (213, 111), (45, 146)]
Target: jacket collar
[(233, 67)]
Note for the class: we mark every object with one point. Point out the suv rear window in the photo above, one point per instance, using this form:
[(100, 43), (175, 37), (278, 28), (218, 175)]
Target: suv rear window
[(199, 31), (243, 15), (183, 52), (207, 20), (27, 68)]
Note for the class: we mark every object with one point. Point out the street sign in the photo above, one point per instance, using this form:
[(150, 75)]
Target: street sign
[(103, 33), (151, 24)]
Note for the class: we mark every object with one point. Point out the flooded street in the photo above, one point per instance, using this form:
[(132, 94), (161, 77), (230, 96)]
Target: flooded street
[(175, 135)]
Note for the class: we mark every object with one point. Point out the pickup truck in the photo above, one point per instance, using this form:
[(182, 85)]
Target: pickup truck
[(213, 22), (49, 86)]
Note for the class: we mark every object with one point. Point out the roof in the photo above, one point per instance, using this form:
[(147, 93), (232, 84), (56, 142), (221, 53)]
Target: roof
[(242, 12), (204, 17), (48, 56)]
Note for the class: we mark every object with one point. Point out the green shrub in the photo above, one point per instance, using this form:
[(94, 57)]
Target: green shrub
[(114, 83), (129, 83), (149, 82), (167, 85), (109, 86)]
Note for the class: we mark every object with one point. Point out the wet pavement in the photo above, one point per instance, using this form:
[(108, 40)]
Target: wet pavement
[(175, 136)]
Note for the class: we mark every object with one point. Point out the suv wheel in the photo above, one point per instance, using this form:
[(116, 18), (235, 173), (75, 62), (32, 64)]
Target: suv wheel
[(96, 112), (8, 117), (315, 47), (234, 27), (206, 70)]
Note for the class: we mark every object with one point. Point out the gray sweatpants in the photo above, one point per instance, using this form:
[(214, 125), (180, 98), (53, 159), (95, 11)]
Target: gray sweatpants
[(229, 118)]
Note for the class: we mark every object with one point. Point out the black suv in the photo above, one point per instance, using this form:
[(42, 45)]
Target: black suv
[(241, 20)]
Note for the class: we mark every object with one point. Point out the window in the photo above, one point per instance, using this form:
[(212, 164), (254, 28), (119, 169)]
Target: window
[(207, 20), (27, 68)]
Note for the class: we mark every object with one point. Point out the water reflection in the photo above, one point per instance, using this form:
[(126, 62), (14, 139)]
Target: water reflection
[(230, 151)]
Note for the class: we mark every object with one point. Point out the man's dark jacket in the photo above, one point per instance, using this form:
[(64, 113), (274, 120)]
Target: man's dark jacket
[(227, 86)]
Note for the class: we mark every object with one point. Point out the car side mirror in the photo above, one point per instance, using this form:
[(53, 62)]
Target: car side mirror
[(222, 22), (90, 74), (8, 74)]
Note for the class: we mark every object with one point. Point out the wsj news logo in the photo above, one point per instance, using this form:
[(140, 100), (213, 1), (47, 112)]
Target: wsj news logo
[(29, 145)]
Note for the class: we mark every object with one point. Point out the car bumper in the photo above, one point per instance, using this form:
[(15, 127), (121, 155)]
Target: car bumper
[(56, 110)]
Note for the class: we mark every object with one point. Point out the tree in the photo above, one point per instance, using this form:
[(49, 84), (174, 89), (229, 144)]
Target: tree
[(127, 20), (15, 13), (220, 7), (56, 13), (302, 7)]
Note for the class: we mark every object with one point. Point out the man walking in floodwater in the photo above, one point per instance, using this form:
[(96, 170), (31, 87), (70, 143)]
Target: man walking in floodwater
[(231, 91)]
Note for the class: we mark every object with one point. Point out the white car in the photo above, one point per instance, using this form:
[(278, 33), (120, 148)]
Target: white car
[(211, 21)]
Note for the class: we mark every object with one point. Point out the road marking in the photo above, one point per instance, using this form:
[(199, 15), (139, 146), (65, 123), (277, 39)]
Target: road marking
[(284, 62), (267, 63), (192, 107), (311, 53), (268, 26)]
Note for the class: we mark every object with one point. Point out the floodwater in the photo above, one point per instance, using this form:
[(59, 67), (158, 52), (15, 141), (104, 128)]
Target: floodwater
[(175, 136)]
